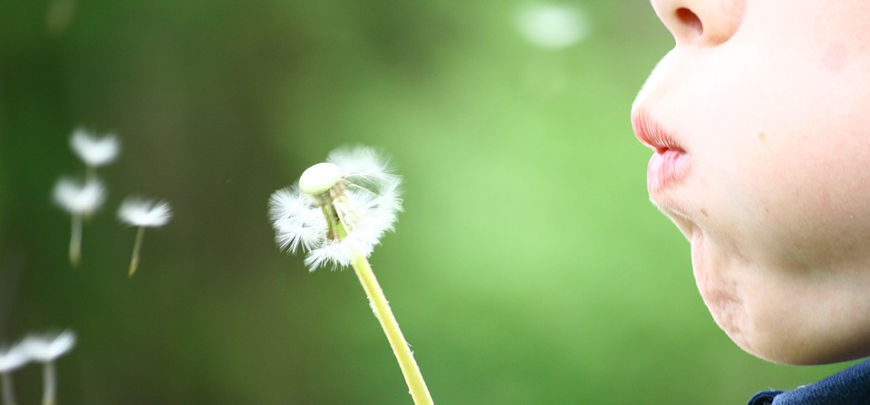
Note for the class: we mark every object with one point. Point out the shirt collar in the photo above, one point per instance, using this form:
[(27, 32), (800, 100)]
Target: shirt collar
[(848, 387)]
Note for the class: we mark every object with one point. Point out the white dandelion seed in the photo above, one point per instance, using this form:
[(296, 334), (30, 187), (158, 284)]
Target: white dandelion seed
[(46, 349), (94, 151), (364, 194), (553, 26), (296, 224), (11, 358), (142, 214), (79, 199)]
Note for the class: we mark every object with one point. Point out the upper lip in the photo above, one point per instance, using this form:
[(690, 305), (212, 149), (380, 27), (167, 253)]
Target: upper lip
[(652, 134)]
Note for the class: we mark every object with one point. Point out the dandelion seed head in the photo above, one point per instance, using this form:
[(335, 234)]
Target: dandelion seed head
[(364, 193), (77, 197), (319, 178), (48, 347), (12, 358), (146, 213), (94, 151)]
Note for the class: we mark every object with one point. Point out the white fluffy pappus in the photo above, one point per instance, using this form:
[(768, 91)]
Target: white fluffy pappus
[(144, 213), (93, 150), (78, 198), (369, 201), (553, 26), (48, 347), (11, 358)]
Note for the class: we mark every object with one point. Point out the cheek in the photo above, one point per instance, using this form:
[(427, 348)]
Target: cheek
[(789, 181), (804, 194)]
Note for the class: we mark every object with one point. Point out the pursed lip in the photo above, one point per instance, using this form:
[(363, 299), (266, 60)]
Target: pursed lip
[(670, 162)]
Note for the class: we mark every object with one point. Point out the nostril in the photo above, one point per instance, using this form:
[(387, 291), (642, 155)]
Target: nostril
[(690, 20)]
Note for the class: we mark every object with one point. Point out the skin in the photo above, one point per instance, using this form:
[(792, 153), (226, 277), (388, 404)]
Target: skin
[(770, 99)]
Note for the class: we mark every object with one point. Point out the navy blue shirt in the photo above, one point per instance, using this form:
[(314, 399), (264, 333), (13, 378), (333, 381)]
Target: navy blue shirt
[(848, 387)]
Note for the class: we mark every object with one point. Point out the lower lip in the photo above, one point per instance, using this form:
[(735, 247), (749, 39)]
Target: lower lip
[(666, 168)]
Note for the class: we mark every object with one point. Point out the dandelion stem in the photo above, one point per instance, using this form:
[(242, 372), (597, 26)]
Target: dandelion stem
[(90, 175), (48, 376), (134, 261), (381, 308), (75, 240), (8, 393)]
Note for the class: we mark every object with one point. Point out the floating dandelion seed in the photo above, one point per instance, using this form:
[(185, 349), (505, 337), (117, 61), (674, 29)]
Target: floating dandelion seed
[(552, 26), (78, 199), (337, 212), (142, 214), (94, 151), (10, 359), (46, 349)]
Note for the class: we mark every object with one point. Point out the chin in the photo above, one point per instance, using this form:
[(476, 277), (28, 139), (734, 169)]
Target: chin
[(778, 339), (779, 314), (796, 349)]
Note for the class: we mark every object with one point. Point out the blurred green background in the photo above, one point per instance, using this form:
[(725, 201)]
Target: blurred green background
[(528, 267)]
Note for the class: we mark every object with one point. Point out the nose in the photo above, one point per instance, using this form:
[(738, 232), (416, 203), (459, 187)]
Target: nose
[(707, 22)]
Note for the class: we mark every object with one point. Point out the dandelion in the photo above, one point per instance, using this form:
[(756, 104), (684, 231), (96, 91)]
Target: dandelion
[(46, 349), (78, 199), (10, 359), (337, 212), (354, 183), (94, 151), (142, 214)]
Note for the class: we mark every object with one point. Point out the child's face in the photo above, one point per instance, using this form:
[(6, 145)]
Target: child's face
[(767, 170)]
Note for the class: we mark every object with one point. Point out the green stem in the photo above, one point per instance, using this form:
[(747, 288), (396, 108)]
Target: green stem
[(50, 384), (75, 240), (134, 260), (381, 308), (8, 392)]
